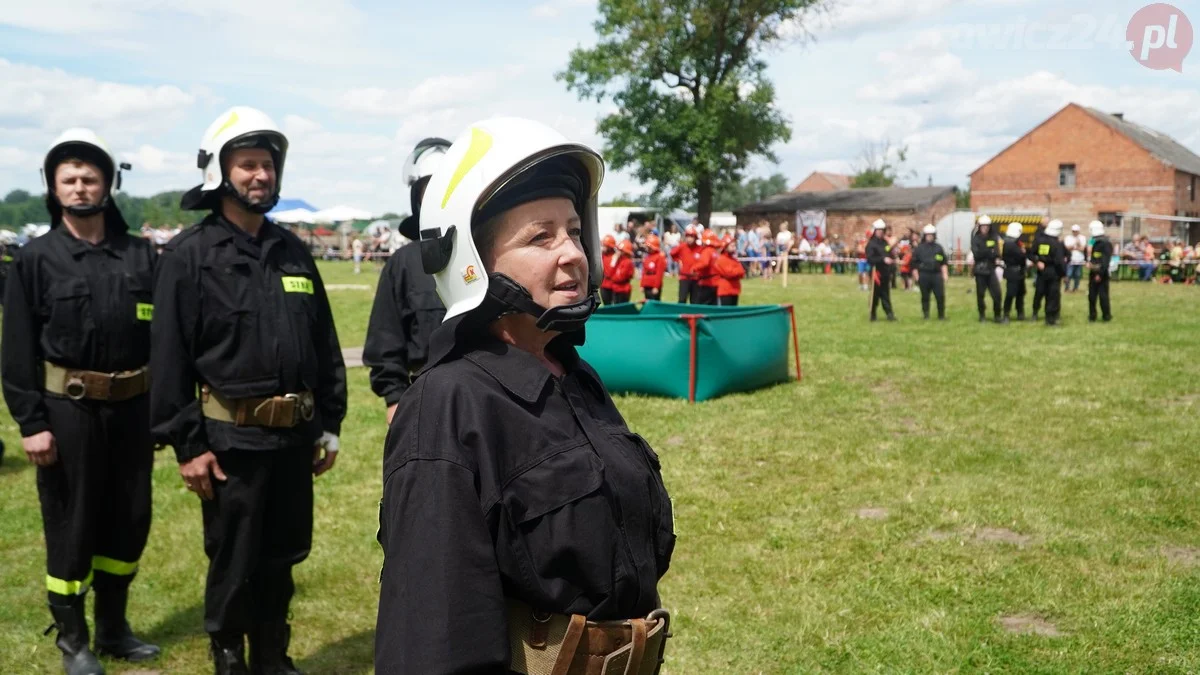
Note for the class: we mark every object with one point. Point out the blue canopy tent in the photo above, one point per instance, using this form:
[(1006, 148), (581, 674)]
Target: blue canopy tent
[(289, 204)]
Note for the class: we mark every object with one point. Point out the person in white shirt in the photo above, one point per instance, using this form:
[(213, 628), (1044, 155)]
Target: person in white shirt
[(357, 248), (783, 245), (1075, 244)]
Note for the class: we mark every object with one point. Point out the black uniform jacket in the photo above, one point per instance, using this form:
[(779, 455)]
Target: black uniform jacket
[(877, 250), (929, 257), (250, 318), (1102, 251), (1052, 252), (407, 309), (500, 480), (986, 249), (76, 305), (1014, 259)]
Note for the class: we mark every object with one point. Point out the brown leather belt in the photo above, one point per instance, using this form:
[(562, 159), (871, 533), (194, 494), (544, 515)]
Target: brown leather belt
[(558, 644), (285, 411), (88, 384)]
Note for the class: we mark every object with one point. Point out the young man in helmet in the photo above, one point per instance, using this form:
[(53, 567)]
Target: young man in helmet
[(619, 272), (1098, 271), (729, 273), (1015, 263), (687, 254), (985, 247), (879, 257), (407, 308), (1050, 259), (929, 267), (654, 266), (514, 494), (74, 356), (249, 387)]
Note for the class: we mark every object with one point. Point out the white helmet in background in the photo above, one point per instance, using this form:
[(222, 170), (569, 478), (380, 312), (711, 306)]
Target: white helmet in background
[(86, 145), (1014, 231), (489, 157), (1054, 228), (984, 220), (424, 159), (929, 229), (879, 224), (238, 127), (1096, 228)]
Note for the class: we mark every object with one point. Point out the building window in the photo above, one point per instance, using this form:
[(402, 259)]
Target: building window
[(1066, 175), (1109, 218)]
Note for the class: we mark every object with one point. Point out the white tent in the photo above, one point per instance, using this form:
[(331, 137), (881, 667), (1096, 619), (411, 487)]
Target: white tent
[(341, 214), (293, 216)]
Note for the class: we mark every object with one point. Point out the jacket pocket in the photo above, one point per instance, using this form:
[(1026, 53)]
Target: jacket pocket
[(662, 508), (69, 322)]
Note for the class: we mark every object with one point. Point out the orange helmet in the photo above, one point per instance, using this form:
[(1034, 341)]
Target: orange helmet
[(625, 246), (653, 243), (689, 231), (710, 238), (609, 241)]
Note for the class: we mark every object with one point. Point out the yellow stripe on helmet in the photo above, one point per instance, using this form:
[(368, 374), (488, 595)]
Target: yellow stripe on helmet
[(481, 142)]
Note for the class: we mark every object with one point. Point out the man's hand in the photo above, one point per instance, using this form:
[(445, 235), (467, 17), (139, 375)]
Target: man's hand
[(41, 448), (1041, 265), (391, 412), (329, 444), (888, 261), (196, 472)]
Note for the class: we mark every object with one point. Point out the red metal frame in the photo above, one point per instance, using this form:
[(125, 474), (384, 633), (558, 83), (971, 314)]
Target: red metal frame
[(795, 341), (692, 320)]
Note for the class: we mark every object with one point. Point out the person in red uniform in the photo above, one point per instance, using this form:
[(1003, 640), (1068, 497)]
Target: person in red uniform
[(729, 273), (706, 276), (608, 247), (654, 266), (686, 254), (618, 273)]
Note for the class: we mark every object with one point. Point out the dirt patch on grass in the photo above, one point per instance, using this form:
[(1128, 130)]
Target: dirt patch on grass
[(887, 392), (1182, 555), (982, 535), (1028, 624), (675, 440), (872, 513), (1186, 400)]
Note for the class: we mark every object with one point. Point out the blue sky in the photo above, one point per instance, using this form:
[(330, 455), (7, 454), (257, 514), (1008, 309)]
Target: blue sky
[(356, 84)]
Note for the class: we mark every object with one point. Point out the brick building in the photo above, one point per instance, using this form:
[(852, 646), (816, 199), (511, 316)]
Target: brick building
[(1082, 164), (820, 181), (850, 212)]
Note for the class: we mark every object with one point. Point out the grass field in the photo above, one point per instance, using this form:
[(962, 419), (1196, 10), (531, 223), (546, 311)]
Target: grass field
[(932, 497)]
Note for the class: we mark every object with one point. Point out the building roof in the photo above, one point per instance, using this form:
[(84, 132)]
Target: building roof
[(837, 181), (853, 199), (1162, 146)]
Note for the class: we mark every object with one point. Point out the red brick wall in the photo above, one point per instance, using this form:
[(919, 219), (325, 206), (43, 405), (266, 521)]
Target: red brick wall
[(849, 224), (1112, 173)]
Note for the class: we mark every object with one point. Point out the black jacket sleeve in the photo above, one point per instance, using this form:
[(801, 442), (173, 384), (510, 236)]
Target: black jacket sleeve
[(331, 368), (175, 417), (980, 249), (1059, 251), (386, 348), (875, 253), (20, 352)]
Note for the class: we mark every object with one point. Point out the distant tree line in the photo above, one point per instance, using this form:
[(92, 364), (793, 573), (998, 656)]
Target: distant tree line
[(20, 207)]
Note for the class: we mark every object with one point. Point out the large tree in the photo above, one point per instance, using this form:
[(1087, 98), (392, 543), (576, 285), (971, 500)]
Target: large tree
[(694, 104), (881, 165)]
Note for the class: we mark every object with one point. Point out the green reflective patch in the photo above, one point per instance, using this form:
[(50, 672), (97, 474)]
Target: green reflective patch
[(939, 257), (145, 311), (991, 243), (1043, 249), (298, 285), (65, 587), (113, 566), (1096, 254)]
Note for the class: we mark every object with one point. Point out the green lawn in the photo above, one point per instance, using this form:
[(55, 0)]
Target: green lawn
[(933, 497)]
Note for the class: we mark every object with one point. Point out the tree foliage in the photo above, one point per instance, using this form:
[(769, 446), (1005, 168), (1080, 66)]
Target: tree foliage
[(729, 196), (20, 207), (626, 199), (693, 101), (881, 165)]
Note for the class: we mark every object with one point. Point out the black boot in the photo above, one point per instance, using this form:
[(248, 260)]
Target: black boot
[(228, 654), (113, 635), (268, 649), (72, 627)]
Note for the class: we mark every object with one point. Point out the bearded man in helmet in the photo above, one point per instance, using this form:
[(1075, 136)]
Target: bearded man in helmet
[(1098, 271), (407, 308), (879, 257), (930, 267), (74, 356), (1050, 258), (242, 316), (1015, 263)]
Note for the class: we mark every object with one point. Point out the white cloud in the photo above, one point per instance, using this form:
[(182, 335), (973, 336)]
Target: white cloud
[(555, 8), (431, 94), (16, 157), (295, 125), (150, 159)]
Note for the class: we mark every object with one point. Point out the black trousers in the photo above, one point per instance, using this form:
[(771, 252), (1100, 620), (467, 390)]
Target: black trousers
[(1039, 292), (1098, 290), (882, 295), (652, 293), (1014, 293), (606, 296), (989, 284), (618, 298), (1048, 287), (258, 525), (704, 295), (727, 300), (96, 498), (932, 284), (687, 290)]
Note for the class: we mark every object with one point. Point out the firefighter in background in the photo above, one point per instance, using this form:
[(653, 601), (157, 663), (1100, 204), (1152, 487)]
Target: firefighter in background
[(929, 267), (706, 275), (1038, 295), (619, 272), (729, 273), (608, 250), (1098, 272), (1050, 258), (985, 247), (74, 357), (879, 257), (654, 266), (1015, 263), (687, 253)]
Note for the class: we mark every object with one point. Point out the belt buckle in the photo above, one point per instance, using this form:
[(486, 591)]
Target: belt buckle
[(74, 388), (302, 406)]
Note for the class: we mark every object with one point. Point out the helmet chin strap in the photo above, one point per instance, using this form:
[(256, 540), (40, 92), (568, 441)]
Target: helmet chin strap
[(246, 203), (89, 210), (507, 296)]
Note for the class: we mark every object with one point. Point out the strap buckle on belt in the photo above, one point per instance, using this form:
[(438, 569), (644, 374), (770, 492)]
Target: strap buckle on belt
[(74, 388), (303, 406)]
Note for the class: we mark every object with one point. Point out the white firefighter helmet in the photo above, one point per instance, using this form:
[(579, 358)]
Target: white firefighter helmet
[(1096, 228), (424, 159), (984, 220), (1014, 230), (238, 127), (929, 229), (86, 145), (1054, 228), (487, 157), (879, 224)]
